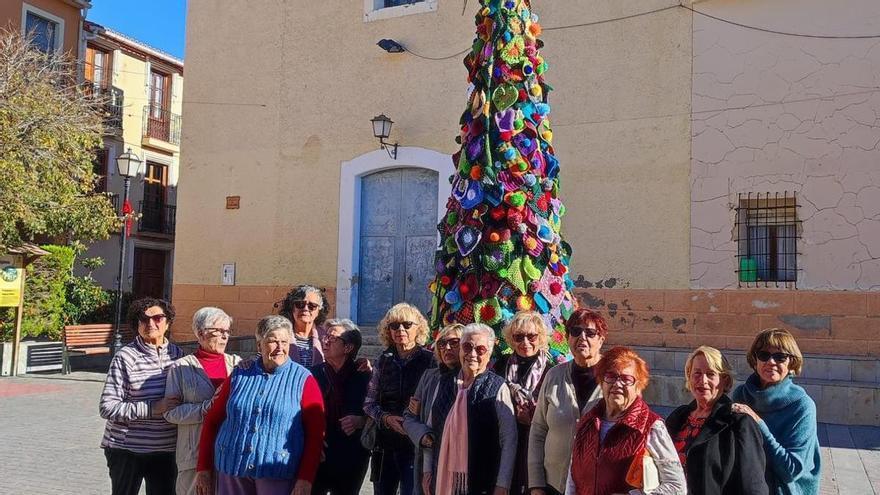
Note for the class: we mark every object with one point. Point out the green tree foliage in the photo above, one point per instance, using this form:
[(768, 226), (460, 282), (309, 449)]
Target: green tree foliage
[(49, 130), (45, 294)]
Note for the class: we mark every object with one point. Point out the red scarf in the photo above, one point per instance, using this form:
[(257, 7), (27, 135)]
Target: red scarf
[(615, 455)]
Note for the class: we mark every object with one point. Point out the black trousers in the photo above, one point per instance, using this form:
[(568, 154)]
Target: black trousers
[(343, 479), (129, 469)]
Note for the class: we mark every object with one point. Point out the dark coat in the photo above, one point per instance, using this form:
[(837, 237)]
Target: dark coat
[(398, 380), (343, 450), (727, 457)]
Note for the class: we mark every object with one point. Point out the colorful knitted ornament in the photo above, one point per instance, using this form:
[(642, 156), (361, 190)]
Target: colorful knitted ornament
[(487, 311)]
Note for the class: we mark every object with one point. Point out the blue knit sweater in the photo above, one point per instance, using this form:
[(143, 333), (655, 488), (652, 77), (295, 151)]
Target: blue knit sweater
[(788, 425), (262, 436)]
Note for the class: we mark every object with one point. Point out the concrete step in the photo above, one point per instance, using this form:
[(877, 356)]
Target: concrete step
[(846, 389)]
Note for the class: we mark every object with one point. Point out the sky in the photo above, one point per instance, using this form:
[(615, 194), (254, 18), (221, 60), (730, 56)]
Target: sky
[(158, 23)]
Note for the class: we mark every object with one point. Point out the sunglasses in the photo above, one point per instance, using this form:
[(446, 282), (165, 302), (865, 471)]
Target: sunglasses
[(305, 304), (397, 325), (481, 350), (144, 318), (777, 357), (611, 378), (521, 337), (451, 343), (217, 332), (588, 333)]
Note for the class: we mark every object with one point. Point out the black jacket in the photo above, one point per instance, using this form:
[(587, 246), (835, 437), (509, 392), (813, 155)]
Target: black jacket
[(343, 450), (727, 457), (398, 380)]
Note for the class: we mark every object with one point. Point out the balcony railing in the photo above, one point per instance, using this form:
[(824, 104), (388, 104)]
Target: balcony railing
[(112, 104), (157, 218), (161, 124)]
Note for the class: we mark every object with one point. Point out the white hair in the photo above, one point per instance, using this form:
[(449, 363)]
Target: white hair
[(268, 324), (209, 317), (480, 329)]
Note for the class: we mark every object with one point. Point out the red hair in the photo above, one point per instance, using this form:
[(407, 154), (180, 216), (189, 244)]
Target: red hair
[(583, 317), (619, 357)]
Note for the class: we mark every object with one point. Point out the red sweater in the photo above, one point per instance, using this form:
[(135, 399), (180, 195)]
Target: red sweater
[(312, 406), (214, 365)]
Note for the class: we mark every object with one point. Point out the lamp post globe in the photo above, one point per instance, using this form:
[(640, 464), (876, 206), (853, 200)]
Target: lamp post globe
[(128, 165)]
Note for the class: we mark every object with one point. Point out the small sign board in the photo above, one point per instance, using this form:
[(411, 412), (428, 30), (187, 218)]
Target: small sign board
[(11, 271), (233, 202), (227, 274)]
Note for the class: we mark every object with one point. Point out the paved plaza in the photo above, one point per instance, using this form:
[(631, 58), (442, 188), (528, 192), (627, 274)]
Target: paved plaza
[(51, 430)]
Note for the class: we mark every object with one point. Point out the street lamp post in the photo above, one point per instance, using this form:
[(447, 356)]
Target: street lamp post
[(128, 164)]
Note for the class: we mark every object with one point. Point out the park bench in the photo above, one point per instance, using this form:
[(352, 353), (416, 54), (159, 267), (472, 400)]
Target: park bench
[(89, 340)]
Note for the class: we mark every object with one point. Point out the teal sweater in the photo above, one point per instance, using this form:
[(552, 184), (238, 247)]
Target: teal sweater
[(788, 425)]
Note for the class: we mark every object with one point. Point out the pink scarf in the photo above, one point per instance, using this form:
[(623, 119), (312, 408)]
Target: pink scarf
[(452, 466)]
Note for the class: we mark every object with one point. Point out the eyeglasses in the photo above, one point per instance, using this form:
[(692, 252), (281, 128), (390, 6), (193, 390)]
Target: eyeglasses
[(396, 325), (521, 337), (144, 318), (468, 347), (611, 378), (451, 343), (588, 333), (777, 357), (330, 339), (217, 332), (305, 304)]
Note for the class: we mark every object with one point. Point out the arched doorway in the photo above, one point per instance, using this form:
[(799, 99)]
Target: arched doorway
[(364, 184)]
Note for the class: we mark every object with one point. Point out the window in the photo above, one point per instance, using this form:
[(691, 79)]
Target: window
[(375, 10), (43, 32), (99, 168), (97, 67), (158, 95), (767, 230)]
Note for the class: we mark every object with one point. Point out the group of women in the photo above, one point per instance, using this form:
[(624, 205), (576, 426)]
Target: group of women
[(307, 416)]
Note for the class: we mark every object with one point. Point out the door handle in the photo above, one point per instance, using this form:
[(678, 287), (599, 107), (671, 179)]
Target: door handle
[(409, 278)]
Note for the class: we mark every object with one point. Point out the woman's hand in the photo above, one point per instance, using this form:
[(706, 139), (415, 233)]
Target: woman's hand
[(395, 423), (499, 491), (414, 406), (302, 487), (744, 409), (363, 364), (205, 483), (427, 441), (426, 483), (351, 424), (158, 408), (538, 491), (524, 413)]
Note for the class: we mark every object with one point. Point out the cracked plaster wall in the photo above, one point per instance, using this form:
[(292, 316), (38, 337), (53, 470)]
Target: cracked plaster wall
[(825, 150)]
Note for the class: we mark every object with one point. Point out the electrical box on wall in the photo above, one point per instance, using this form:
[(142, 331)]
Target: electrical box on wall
[(227, 274)]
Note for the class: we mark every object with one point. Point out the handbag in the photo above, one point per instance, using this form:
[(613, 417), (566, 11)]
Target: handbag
[(643, 473), (368, 434)]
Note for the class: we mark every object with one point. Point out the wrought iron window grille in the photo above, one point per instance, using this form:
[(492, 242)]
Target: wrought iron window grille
[(767, 231)]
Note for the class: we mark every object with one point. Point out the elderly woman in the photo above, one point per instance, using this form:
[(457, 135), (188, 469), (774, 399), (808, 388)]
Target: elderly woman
[(192, 381), (306, 306), (621, 434), (721, 451), (785, 414), (415, 418), (403, 330), (138, 443), (524, 369), (474, 423), (568, 391), (344, 389), (264, 431)]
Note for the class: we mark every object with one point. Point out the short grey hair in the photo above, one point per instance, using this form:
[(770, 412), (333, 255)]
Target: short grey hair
[(207, 317), (269, 324), (351, 334), (480, 329)]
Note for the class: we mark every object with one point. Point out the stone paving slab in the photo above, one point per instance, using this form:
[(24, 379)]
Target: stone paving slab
[(50, 434)]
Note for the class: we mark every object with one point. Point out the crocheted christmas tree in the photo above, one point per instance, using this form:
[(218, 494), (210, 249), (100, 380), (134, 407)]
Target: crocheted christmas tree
[(500, 249)]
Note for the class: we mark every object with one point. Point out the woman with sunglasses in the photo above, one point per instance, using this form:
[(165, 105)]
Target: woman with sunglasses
[(568, 391), (417, 415), (192, 381), (307, 307), (614, 438), (524, 370), (785, 414), (138, 442), (404, 331), (721, 452), (473, 422)]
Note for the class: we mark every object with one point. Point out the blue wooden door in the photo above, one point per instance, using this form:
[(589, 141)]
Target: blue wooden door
[(398, 236)]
